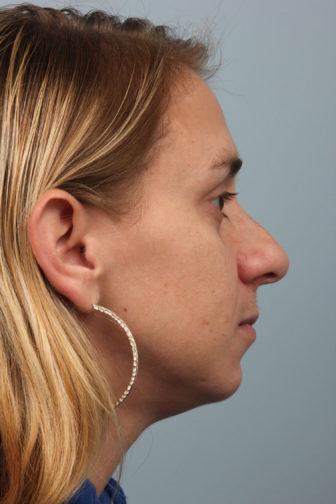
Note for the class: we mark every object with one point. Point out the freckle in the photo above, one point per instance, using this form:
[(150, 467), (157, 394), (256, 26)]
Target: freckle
[(165, 284), (125, 310), (205, 323)]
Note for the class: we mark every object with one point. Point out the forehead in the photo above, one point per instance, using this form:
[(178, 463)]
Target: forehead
[(195, 140), (197, 134)]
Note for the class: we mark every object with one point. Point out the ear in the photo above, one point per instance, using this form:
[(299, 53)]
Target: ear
[(61, 233)]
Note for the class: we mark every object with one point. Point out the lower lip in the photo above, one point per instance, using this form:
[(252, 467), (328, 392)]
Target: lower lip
[(249, 330)]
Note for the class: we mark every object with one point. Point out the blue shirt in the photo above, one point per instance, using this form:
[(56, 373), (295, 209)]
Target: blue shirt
[(87, 494)]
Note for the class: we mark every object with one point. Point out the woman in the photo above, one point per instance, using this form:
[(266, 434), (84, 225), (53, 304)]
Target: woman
[(118, 207)]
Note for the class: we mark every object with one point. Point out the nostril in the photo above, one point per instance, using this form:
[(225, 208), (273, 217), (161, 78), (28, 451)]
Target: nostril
[(270, 278), (278, 273)]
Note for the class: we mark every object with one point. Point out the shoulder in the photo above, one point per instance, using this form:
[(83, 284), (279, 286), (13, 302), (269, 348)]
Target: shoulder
[(87, 494)]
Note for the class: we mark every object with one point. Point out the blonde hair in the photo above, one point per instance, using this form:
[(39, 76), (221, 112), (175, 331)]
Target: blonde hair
[(81, 103)]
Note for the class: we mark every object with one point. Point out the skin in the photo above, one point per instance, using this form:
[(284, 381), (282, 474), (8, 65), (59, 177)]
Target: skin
[(181, 275)]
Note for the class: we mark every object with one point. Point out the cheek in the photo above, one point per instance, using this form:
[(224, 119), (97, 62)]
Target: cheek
[(177, 281), (178, 291)]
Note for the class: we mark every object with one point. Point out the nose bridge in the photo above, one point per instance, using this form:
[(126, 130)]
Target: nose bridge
[(260, 258)]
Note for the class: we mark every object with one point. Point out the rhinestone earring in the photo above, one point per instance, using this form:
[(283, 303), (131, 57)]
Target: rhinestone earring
[(133, 347)]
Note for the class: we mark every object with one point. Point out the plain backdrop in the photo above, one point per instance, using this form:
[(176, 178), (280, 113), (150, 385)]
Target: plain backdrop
[(274, 441)]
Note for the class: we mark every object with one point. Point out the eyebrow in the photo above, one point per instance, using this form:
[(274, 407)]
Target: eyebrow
[(234, 163)]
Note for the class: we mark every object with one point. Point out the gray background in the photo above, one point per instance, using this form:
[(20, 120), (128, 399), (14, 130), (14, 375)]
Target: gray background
[(274, 441)]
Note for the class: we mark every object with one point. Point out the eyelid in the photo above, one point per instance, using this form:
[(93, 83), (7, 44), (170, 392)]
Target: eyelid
[(225, 196)]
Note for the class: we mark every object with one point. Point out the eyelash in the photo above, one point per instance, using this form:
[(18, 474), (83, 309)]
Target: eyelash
[(225, 196)]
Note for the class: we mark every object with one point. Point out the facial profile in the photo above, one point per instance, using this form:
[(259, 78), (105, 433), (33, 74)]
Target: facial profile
[(186, 274)]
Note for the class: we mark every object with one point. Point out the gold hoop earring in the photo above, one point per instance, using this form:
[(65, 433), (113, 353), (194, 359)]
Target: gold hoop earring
[(133, 347)]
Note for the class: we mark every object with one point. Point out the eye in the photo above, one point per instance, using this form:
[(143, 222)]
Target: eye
[(219, 201)]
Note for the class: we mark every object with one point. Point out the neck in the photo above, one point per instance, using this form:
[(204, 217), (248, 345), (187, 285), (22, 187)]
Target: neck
[(120, 437), (151, 400)]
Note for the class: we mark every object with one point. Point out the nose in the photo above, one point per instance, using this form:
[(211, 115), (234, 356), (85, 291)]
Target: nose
[(260, 259)]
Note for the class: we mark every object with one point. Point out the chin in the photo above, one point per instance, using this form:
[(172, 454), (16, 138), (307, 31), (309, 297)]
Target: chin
[(214, 388), (226, 386)]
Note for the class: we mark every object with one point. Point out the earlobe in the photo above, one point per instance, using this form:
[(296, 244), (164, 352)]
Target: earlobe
[(61, 239)]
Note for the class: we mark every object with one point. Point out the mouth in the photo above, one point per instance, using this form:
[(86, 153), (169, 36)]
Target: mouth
[(246, 326), (250, 320)]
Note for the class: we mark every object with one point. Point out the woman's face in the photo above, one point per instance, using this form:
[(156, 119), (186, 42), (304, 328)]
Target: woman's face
[(183, 276)]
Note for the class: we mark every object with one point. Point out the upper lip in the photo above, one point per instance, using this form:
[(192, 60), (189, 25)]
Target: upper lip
[(250, 320)]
